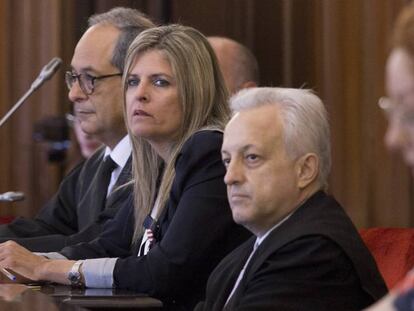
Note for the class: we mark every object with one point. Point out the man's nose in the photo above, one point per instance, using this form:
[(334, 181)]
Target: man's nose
[(75, 92), (234, 173)]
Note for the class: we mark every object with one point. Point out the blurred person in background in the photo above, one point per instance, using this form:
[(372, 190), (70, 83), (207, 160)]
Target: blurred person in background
[(399, 110), (237, 63)]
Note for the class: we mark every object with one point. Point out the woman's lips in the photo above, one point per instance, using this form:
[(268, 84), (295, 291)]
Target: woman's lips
[(141, 113)]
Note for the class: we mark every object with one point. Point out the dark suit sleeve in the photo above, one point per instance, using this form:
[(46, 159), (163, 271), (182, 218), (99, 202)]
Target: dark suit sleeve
[(114, 241), (199, 234), (71, 216), (311, 273), (63, 243), (57, 218)]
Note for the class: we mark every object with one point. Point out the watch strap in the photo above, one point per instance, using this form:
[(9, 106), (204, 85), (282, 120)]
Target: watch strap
[(75, 275)]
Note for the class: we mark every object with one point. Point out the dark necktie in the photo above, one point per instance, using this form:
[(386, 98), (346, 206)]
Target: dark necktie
[(103, 177)]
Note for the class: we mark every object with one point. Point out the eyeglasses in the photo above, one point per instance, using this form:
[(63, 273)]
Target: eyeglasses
[(395, 112), (86, 81)]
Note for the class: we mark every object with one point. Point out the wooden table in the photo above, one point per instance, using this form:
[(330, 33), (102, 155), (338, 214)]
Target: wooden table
[(58, 297)]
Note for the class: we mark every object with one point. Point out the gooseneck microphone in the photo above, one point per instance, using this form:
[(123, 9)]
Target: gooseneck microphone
[(47, 72), (11, 196)]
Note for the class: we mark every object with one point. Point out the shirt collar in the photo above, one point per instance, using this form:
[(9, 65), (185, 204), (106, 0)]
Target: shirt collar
[(259, 240), (121, 152)]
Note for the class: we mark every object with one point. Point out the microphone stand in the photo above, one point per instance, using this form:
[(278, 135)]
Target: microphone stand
[(16, 106), (47, 72)]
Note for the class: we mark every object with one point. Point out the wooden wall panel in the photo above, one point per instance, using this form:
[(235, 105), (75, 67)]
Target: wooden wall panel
[(34, 28), (341, 93), (270, 29), (5, 141), (336, 47), (356, 36)]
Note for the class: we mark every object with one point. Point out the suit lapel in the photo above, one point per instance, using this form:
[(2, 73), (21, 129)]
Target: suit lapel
[(231, 269), (126, 174), (276, 239)]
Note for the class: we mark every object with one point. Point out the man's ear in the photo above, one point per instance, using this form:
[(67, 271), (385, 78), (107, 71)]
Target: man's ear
[(307, 169)]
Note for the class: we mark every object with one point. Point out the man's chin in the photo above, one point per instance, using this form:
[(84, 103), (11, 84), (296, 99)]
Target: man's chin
[(88, 128), (238, 217)]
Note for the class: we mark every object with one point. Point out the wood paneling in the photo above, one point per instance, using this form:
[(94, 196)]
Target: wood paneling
[(31, 39), (5, 139), (336, 47)]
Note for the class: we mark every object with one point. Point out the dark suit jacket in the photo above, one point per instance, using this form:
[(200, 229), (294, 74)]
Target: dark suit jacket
[(195, 231), (71, 216), (314, 261)]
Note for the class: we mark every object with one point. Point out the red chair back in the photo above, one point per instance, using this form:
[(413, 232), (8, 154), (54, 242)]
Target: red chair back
[(393, 250)]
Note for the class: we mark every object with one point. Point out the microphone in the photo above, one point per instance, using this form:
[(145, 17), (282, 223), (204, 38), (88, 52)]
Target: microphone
[(11, 196), (47, 72)]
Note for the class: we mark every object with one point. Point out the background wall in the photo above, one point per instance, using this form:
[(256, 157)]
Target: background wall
[(336, 47)]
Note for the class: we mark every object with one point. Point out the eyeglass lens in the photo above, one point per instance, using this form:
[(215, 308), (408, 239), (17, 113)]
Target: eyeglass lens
[(85, 81)]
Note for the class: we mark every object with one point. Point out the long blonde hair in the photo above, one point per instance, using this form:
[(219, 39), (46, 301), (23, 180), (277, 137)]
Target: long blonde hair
[(202, 94)]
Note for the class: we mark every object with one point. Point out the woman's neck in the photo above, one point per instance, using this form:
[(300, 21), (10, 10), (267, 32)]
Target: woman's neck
[(163, 149)]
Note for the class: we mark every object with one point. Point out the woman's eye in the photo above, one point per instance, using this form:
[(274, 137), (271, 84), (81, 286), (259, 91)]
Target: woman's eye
[(161, 82), (132, 82)]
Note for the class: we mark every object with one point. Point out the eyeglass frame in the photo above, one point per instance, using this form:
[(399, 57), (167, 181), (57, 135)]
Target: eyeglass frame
[(389, 107), (72, 75)]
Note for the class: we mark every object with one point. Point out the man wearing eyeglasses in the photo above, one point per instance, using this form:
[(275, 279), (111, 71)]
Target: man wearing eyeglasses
[(90, 194)]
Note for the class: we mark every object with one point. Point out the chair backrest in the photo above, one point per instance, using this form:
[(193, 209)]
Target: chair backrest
[(393, 250)]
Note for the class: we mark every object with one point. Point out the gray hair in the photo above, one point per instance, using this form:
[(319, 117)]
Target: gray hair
[(304, 118), (130, 22)]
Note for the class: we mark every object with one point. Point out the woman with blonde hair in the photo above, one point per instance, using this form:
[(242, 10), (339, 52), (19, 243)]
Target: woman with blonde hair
[(181, 227)]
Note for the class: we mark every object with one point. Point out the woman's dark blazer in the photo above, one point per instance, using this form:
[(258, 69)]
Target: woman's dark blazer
[(195, 232)]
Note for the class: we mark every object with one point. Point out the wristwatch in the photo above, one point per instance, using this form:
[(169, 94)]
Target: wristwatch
[(75, 275)]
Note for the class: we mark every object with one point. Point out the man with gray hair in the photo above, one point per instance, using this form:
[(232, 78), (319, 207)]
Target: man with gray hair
[(306, 253), (90, 194), (237, 63)]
